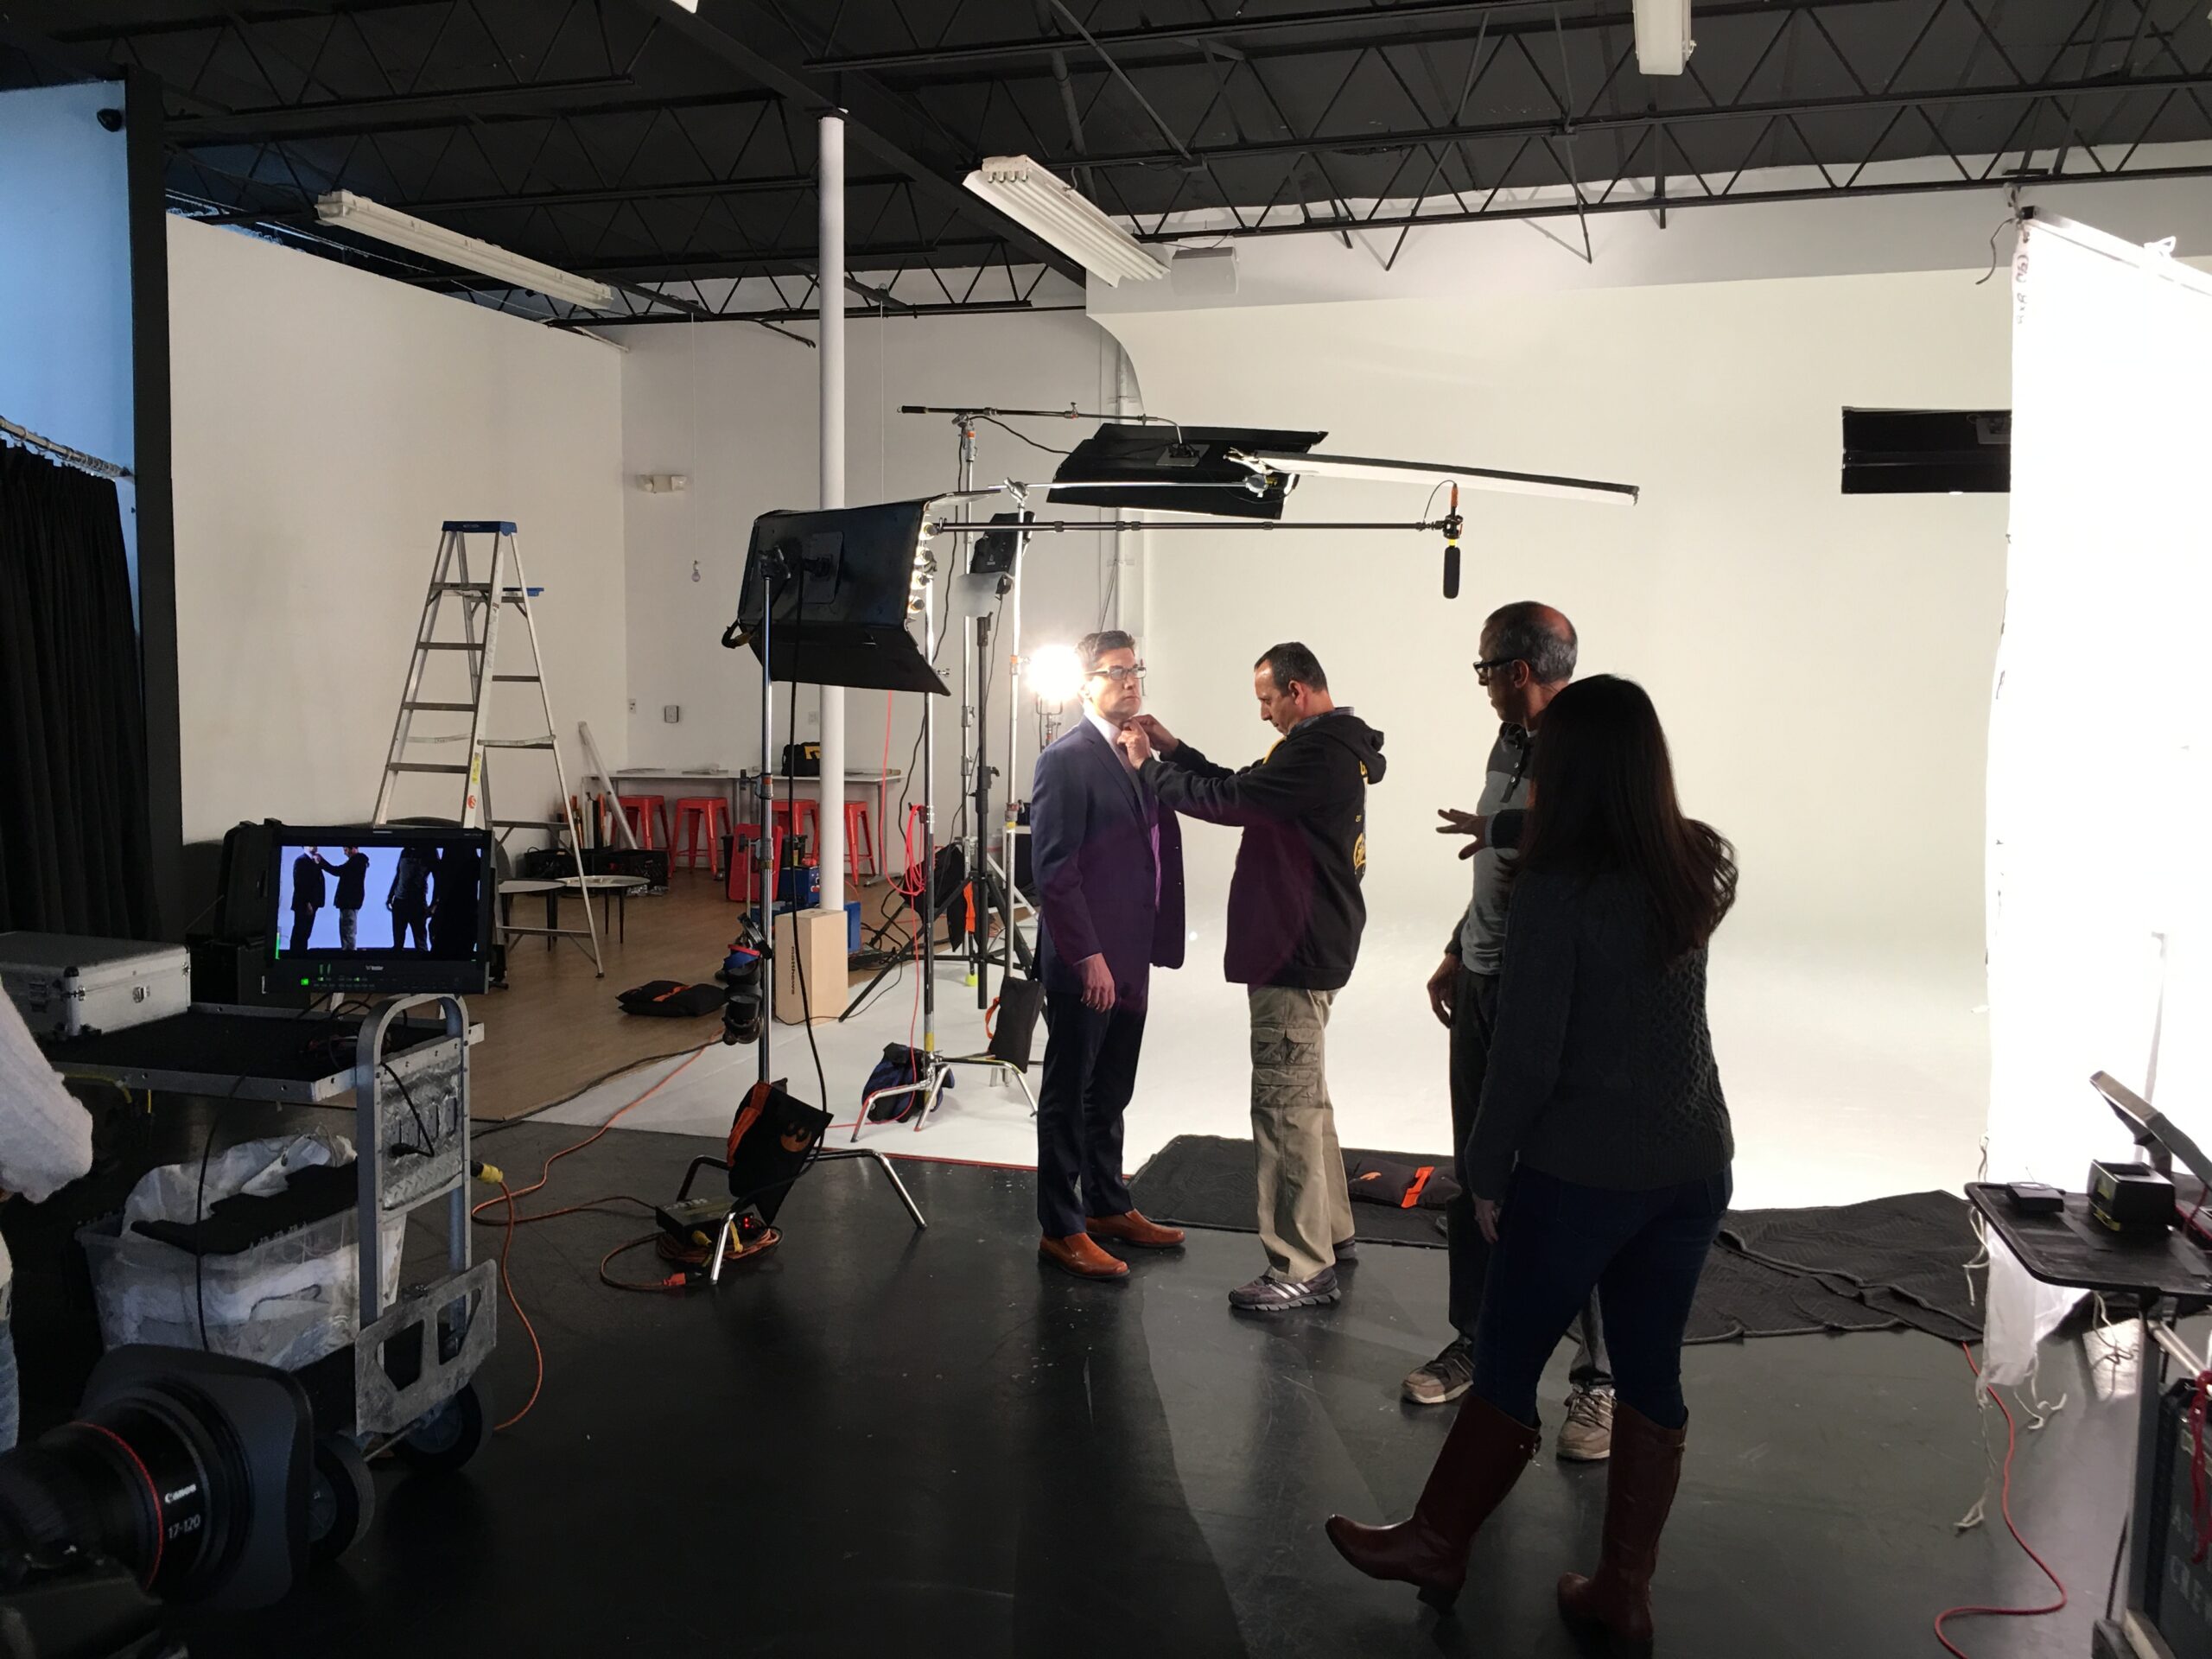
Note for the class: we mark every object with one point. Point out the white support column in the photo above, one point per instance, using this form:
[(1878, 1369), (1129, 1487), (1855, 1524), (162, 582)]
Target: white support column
[(829, 296), (1129, 550)]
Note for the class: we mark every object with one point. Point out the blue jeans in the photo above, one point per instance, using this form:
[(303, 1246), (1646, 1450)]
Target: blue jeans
[(1641, 1251)]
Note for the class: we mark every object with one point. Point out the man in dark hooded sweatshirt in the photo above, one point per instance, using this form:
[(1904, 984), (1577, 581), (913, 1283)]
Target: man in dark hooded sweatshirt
[(1295, 914)]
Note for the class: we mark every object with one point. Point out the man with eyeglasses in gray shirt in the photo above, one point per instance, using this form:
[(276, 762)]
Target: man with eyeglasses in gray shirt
[(1527, 659)]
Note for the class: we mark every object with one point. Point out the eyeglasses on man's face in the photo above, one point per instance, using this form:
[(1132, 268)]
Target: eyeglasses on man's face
[(1119, 675), (1485, 670)]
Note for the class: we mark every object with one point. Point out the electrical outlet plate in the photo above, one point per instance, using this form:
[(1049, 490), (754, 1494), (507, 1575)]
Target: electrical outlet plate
[(671, 712)]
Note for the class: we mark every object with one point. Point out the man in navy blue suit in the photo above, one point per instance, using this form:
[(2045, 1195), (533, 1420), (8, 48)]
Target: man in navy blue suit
[(1108, 870)]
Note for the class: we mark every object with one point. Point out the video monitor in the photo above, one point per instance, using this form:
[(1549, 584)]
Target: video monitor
[(396, 909)]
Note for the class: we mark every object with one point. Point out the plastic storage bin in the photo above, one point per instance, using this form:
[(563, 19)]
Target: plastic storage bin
[(286, 1301)]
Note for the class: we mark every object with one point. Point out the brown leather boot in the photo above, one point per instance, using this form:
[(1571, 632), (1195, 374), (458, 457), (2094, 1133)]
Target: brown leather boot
[(1130, 1228), (1639, 1491), (1079, 1256), (1483, 1456)]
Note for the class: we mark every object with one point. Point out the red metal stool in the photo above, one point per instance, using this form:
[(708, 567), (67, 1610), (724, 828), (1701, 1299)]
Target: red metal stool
[(797, 817), (697, 818), (641, 810), (859, 838)]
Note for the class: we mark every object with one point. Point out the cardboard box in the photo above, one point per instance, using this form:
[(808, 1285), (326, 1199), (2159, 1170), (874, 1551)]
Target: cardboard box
[(813, 940)]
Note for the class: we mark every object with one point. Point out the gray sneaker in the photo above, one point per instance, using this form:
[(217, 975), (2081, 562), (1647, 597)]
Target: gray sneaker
[(1270, 1295), (1444, 1378), (1587, 1436)]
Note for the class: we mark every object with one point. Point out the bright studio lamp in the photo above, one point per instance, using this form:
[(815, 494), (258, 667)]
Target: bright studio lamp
[(1056, 674), (1035, 198)]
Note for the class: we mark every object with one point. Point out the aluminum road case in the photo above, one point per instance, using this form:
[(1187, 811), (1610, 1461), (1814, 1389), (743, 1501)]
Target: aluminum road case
[(65, 985)]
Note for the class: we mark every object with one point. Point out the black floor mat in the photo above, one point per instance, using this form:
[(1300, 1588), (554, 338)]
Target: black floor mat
[(1901, 1260), (1884, 1265), (1206, 1180)]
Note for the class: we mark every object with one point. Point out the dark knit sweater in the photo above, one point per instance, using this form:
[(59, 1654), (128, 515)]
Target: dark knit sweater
[(1601, 1068)]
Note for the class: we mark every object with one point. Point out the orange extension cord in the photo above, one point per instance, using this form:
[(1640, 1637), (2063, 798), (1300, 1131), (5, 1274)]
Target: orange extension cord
[(512, 1221)]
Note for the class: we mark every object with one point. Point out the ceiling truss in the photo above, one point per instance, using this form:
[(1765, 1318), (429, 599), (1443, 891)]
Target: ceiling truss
[(635, 142)]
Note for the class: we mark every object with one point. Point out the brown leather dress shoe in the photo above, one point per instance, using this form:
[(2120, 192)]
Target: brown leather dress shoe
[(1132, 1229), (1079, 1256)]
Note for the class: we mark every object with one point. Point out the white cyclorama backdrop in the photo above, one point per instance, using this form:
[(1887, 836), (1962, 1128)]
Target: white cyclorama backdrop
[(326, 422), (1822, 662), (2099, 901), (731, 409)]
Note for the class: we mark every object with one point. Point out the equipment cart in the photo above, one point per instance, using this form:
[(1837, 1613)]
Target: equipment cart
[(407, 1380)]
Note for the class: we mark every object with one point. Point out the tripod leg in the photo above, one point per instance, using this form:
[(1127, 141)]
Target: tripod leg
[(868, 1101), (936, 1092), (852, 1006), (725, 1235), (889, 1174)]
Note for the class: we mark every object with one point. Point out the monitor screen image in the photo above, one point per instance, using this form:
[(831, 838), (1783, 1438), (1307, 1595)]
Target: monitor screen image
[(386, 908)]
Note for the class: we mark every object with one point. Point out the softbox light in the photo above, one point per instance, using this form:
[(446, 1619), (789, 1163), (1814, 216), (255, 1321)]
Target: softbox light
[(1177, 469), (842, 579)]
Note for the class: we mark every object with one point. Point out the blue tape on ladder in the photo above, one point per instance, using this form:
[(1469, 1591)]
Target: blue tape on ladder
[(481, 526)]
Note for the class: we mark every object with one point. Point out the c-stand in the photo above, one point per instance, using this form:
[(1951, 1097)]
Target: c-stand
[(931, 1075), (779, 567)]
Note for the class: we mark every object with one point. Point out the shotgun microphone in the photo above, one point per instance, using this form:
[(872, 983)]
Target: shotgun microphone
[(1452, 546)]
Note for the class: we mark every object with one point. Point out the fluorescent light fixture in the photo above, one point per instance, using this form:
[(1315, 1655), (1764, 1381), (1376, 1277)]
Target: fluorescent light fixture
[(1663, 36), (1031, 196), (1428, 472), (366, 218), (1056, 674)]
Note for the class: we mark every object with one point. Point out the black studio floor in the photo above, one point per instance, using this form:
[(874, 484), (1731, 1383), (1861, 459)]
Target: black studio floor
[(873, 1442)]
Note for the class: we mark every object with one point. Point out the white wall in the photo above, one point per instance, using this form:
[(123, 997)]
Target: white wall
[(1859, 236), (734, 409), (327, 421), (1822, 663), (65, 273)]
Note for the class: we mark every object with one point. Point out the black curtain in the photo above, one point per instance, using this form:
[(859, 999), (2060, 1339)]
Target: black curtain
[(75, 845)]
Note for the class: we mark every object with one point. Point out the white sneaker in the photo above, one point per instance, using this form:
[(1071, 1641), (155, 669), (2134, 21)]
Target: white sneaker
[(1587, 1436)]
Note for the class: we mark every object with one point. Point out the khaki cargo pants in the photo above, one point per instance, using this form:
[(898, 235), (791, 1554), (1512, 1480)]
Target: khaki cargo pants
[(1305, 1204)]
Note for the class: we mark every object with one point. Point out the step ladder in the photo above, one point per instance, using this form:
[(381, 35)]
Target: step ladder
[(469, 593)]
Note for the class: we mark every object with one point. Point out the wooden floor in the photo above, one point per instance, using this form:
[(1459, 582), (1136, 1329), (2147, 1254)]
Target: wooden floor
[(557, 1029)]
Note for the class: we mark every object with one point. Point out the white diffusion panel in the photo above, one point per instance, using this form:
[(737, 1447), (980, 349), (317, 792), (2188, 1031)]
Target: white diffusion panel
[(2098, 891)]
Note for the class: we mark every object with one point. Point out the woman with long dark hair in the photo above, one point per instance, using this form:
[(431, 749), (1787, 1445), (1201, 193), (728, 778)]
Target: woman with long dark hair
[(1600, 1155)]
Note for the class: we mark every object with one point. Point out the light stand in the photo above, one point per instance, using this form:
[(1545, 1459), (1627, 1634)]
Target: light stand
[(990, 883), (779, 565), (934, 1069)]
